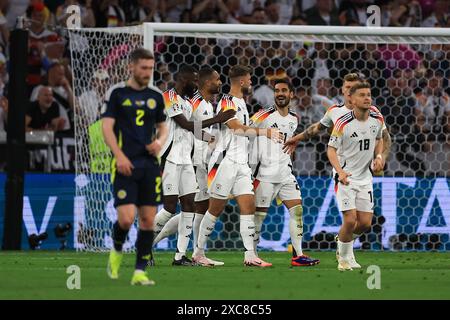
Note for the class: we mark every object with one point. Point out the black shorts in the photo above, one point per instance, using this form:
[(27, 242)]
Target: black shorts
[(142, 188)]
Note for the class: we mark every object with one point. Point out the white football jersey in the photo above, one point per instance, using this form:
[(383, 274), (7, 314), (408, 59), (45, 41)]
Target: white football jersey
[(234, 146), (336, 111), (268, 160), (356, 142), (201, 110), (333, 113), (180, 142)]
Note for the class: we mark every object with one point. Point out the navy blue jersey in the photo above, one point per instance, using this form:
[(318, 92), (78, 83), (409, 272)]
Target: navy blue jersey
[(136, 112)]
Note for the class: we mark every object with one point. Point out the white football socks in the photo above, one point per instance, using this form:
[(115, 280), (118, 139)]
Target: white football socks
[(259, 219), (345, 249), (296, 228), (184, 233), (196, 227), (161, 219), (206, 228), (170, 228), (247, 228)]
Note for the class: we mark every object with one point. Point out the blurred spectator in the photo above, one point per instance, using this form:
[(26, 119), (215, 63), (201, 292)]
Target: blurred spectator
[(231, 14), (3, 113), (308, 107), (44, 113), (287, 9), (4, 31), (404, 13), (43, 45), (4, 76), (16, 8), (353, 12), (172, 10), (397, 105), (440, 15), (108, 13), (322, 14), (86, 13), (146, 11), (208, 11), (399, 56), (272, 9), (90, 102), (259, 16), (61, 91), (433, 112), (247, 8)]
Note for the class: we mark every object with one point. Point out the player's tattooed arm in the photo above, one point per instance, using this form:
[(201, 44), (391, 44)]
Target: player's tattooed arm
[(310, 132), (387, 144), (378, 163)]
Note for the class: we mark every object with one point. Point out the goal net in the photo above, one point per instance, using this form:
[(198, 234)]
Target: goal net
[(408, 69)]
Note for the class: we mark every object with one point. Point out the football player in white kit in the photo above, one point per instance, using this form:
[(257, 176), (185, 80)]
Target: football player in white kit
[(272, 172), (229, 172), (178, 177), (209, 85), (327, 122), (357, 135)]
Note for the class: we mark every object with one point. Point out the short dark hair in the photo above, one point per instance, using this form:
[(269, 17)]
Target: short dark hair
[(204, 74), (185, 70), (239, 71), (350, 77), (285, 81), (359, 85), (141, 53)]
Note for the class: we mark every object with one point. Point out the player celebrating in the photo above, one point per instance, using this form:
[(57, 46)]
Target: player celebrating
[(357, 135), (328, 121), (132, 112), (273, 170), (209, 85), (178, 178), (228, 170)]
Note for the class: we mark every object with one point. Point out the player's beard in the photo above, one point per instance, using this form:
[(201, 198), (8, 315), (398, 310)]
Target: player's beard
[(283, 103), (246, 90), (142, 81)]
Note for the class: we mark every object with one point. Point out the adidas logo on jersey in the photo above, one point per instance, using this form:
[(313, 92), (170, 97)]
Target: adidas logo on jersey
[(127, 103), (205, 113), (354, 135), (274, 125)]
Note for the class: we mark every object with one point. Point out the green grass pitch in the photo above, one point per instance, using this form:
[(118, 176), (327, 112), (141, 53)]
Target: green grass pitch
[(406, 275)]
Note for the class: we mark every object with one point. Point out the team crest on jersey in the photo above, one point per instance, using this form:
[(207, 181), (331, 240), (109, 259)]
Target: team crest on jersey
[(121, 194), (373, 130), (346, 202), (218, 186), (151, 104), (169, 187), (292, 126)]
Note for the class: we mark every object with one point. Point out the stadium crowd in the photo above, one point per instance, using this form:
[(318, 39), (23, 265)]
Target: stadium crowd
[(410, 82)]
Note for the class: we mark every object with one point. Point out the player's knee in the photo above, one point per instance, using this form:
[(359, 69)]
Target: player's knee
[(170, 207), (297, 211), (126, 223), (146, 223)]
